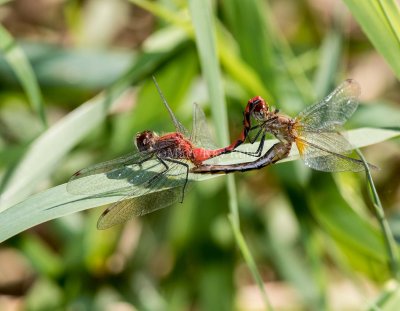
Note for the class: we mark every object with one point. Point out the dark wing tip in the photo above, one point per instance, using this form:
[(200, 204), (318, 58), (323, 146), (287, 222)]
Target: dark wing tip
[(353, 86), (101, 225)]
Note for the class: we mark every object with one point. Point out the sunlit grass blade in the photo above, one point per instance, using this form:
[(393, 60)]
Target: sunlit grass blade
[(246, 21), (391, 11), (204, 27), (23, 70), (380, 20), (233, 64), (330, 53), (44, 206), (203, 23), (54, 143), (293, 67), (352, 233), (207, 49), (57, 202), (249, 261), (388, 299), (294, 266)]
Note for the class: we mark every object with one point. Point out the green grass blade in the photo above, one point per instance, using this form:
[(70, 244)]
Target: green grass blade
[(206, 45), (392, 14), (57, 202), (250, 261), (330, 50), (53, 144), (390, 242), (352, 233), (233, 64), (44, 206), (388, 299), (205, 39), (162, 12), (380, 20), (246, 21), (23, 70), (292, 66)]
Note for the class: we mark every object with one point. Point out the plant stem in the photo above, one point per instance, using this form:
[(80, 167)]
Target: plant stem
[(250, 261), (383, 223)]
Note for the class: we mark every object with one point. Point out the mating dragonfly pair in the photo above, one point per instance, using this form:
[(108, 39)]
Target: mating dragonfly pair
[(158, 174)]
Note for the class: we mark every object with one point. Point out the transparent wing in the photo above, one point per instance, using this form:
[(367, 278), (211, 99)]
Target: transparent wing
[(148, 183), (178, 125), (333, 111), (163, 191), (318, 154), (201, 136), (94, 179), (331, 141), (131, 175), (127, 208)]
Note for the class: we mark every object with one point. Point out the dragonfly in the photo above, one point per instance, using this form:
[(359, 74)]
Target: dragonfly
[(154, 176), (315, 131)]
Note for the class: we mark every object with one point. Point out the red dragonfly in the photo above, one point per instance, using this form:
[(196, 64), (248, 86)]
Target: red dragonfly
[(153, 177), (316, 132)]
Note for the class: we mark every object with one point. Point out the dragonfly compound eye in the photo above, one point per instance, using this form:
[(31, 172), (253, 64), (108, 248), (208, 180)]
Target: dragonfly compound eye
[(146, 140), (259, 108)]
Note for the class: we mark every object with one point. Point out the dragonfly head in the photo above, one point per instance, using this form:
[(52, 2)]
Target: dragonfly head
[(258, 108), (146, 140)]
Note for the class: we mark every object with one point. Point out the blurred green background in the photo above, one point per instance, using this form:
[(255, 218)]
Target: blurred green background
[(312, 236)]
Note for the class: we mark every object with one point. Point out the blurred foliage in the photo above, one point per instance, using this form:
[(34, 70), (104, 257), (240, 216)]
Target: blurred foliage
[(75, 79)]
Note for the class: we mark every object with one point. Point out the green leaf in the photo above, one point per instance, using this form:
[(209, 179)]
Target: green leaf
[(229, 58), (330, 59), (57, 202), (206, 45), (388, 299), (58, 140), (380, 20), (23, 70), (345, 224), (246, 22)]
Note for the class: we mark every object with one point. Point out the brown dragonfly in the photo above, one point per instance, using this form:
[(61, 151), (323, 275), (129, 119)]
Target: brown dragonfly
[(315, 131)]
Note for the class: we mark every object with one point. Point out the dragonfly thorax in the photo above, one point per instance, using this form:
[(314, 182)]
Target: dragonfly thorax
[(281, 127), (146, 140)]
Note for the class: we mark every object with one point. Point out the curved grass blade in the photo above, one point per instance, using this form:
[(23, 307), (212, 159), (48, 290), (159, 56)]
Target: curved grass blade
[(203, 23), (62, 137), (57, 202), (377, 18), (390, 242), (24, 72)]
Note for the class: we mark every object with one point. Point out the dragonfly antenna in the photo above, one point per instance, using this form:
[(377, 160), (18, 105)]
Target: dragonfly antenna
[(171, 114)]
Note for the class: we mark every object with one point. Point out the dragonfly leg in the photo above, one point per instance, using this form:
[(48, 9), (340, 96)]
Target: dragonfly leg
[(260, 147), (262, 131), (161, 173), (143, 160), (187, 174)]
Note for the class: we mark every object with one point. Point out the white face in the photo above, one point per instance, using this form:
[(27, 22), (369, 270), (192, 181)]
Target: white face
[(261, 111)]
